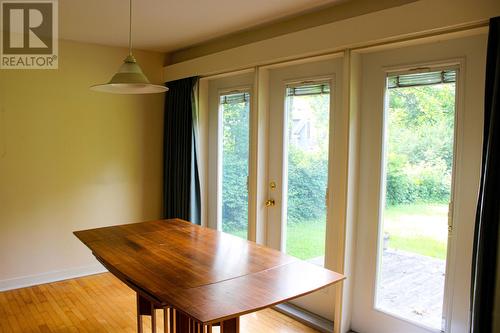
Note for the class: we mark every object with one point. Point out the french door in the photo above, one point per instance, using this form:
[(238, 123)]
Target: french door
[(303, 100), (275, 175), (419, 166), (302, 103)]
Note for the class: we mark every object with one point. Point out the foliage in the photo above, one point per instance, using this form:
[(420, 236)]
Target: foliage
[(420, 125), (307, 169), (308, 161), (420, 144), (307, 175), (235, 166)]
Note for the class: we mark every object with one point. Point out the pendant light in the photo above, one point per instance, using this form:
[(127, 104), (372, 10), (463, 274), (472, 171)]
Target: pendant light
[(129, 79)]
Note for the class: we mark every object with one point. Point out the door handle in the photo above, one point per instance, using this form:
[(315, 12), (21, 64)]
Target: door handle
[(270, 203)]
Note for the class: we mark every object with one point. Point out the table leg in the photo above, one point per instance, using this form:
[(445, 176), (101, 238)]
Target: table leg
[(182, 323), (230, 325), (153, 319), (142, 309), (165, 320), (139, 323), (196, 327), (173, 327), (148, 308)]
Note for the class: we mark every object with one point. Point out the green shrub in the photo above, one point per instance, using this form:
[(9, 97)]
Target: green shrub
[(422, 183), (420, 142), (307, 175), (235, 166)]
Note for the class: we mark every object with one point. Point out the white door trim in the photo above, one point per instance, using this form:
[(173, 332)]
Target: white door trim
[(467, 159)]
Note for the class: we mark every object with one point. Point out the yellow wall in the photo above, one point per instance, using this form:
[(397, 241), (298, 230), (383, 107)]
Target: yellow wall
[(73, 159)]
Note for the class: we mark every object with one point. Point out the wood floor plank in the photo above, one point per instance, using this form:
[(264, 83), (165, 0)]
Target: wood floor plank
[(102, 303)]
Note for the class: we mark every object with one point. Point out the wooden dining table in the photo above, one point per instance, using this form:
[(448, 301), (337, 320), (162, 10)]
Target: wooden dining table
[(200, 277)]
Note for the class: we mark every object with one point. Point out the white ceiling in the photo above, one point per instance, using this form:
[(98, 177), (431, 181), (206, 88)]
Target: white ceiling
[(167, 25)]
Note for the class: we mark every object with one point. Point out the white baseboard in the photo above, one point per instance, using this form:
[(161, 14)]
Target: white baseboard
[(31, 280)]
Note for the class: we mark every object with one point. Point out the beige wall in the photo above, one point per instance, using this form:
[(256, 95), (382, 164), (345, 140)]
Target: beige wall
[(73, 159), (419, 18), (340, 10)]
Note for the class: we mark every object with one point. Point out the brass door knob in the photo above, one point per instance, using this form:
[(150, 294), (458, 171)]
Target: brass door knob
[(270, 203)]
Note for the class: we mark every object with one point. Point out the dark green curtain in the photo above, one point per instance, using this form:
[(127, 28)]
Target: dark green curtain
[(181, 191), (484, 264)]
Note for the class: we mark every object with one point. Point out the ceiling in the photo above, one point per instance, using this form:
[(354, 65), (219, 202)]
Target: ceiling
[(168, 25)]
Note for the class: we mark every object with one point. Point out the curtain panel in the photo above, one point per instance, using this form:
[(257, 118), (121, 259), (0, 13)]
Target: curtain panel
[(484, 266), (181, 190)]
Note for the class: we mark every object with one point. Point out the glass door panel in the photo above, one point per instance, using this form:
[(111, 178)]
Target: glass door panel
[(302, 101), (234, 113), (420, 122), (307, 110)]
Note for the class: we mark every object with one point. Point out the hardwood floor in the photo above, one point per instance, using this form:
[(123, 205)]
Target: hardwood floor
[(101, 303)]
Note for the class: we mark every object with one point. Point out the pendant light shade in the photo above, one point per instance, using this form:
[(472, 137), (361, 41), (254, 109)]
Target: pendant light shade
[(129, 79)]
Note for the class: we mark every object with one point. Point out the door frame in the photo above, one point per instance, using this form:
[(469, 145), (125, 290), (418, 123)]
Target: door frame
[(468, 127), (344, 158), (338, 150), (338, 131), (349, 146)]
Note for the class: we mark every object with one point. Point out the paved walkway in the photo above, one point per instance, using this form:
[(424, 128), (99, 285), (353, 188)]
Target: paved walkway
[(412, 287)]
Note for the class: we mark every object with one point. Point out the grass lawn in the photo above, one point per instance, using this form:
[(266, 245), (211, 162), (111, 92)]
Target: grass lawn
[(306, 240), (417, 228), (420, 245)]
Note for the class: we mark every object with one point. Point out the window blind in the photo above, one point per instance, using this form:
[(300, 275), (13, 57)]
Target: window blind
[(235, 98), (308, 89), (421, 79)]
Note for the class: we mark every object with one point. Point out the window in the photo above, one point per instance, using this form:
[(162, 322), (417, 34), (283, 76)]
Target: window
[(420, 122), (234, 117), (306, 154)]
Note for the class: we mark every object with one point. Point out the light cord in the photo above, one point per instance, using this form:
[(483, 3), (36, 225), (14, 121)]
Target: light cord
[(130, 29)]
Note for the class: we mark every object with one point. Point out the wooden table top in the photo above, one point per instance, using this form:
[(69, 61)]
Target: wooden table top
[(208, 275)]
